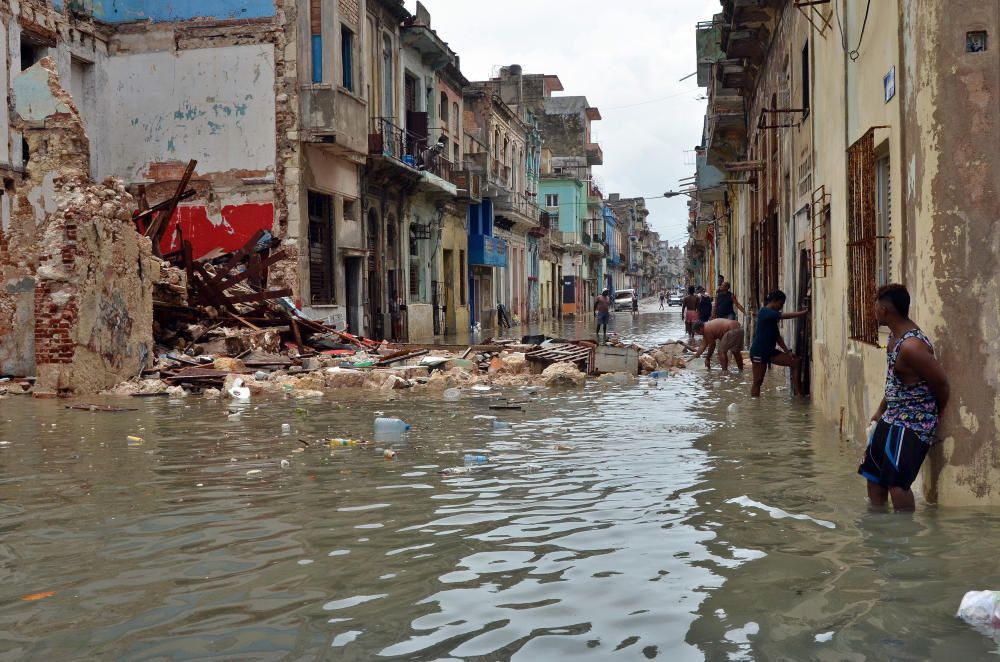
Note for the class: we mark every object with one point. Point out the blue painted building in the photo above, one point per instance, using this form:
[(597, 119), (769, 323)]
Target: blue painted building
[(159, 11), (486, 253)]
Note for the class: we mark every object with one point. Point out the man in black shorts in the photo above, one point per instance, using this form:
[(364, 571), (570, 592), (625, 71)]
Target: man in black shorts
[(916, 392), (766, 339)]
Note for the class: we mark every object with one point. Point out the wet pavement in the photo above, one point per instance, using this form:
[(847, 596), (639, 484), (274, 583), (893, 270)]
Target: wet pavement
[(616, 522)]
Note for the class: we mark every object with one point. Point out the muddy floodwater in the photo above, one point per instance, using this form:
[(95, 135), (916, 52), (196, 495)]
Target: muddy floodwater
[(616, 522)]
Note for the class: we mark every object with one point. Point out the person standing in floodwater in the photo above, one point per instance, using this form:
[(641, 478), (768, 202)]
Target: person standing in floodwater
[(704, 306), (916, 392), (766, 340), (690, 312), (635, 303), (725, 301), (602, 308)]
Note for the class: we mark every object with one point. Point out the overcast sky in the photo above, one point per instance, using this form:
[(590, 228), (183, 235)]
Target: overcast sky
[(626, 57)]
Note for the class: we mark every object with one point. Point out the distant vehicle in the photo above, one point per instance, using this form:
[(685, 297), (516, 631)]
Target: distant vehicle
[(674, 299), (623, 300)]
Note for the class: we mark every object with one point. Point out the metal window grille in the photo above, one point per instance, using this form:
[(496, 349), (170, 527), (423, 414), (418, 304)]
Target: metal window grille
[(819, 212), (862, 238)]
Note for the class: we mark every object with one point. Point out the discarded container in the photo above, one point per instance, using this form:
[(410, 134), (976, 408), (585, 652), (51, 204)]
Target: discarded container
[(455, 471), (659, 374), (239, 391), (134, 440), (476, 459), (389, 454), (501, 425), (980, 608), (390, 429), (334, 443), (451, 394), (285, 464), (285, 428)]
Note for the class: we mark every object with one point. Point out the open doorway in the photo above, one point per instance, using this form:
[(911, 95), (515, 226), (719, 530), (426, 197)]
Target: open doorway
[(803, 329), (352, 286)]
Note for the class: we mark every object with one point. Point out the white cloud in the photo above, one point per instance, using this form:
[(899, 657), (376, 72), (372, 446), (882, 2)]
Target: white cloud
[(625, 57)]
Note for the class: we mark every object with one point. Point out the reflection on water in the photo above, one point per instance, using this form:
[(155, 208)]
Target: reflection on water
[(668, 529)]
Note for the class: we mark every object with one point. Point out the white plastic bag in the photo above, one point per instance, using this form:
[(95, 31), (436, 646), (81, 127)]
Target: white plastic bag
[(978, 607)]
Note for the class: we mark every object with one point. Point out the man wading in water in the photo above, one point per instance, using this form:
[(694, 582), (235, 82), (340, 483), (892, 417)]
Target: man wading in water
[(728, 335), (766, 339), (602, 308), (691, 302), (916, 392)]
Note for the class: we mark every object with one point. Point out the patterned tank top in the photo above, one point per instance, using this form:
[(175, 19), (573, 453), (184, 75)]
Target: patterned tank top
[(910, 405)]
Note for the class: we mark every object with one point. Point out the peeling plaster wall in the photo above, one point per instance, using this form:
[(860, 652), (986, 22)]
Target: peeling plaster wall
[(215, 105), (952, 122)]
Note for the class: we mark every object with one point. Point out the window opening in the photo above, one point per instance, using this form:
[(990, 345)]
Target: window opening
[(347, 57)]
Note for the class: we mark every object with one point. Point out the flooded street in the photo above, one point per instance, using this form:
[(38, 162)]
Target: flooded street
[(616, 522)]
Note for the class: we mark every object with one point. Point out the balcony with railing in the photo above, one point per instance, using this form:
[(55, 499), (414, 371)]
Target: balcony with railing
[(518, 208), (409, 153)]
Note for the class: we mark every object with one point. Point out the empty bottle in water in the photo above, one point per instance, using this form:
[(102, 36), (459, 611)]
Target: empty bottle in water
[(476, 459), (390, 429)]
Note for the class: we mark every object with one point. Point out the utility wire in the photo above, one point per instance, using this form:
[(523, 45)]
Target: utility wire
[(855, 53)]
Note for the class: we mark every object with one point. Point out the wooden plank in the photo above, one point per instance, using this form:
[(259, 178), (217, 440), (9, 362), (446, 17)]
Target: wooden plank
[(145, 211), (396, 358), (240, 277), (298, 336), (236, 257), (254, 297), (157, 227)]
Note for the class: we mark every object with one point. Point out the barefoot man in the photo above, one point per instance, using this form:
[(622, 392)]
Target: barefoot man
[(728, 334), (916, 392), (691, 302), (766, 340)]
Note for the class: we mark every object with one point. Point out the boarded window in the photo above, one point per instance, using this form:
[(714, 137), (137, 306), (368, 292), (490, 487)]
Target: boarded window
[(321, 248), (862, 238)]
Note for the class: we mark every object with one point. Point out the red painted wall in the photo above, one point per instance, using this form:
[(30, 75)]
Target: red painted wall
[(237, 224)]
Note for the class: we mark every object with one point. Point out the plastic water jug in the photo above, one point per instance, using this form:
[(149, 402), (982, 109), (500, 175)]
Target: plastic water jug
[(390, 429)]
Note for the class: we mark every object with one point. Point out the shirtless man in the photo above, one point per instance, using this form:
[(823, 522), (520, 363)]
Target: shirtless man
[(690, 307), (728, 334), (602, 308)]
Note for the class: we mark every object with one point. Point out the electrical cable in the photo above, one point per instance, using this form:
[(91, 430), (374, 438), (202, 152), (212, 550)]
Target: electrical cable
[(854, 53)]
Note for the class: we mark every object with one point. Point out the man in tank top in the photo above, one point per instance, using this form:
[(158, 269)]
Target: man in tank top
[(916, 392)]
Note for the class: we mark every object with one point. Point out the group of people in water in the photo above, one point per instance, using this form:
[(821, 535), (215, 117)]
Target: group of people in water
[(904, 425)]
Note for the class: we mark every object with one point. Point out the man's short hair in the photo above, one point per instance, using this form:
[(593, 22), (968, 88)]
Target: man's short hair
[(777, 295), (698, 326), (895, 295), (691, 289)]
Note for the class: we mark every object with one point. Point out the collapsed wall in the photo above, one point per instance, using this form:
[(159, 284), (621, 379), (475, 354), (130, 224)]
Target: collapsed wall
[(76, 278)]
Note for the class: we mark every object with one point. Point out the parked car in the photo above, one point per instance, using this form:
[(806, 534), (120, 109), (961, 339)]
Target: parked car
[(623, 300), (674, 299)]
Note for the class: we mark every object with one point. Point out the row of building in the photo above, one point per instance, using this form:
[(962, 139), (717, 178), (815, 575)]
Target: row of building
[(849, 144), (411, 201)]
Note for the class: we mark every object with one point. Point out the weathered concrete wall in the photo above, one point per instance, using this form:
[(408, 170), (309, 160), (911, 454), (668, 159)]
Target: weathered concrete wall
[(72, 246), (952, 120), (214, 105)]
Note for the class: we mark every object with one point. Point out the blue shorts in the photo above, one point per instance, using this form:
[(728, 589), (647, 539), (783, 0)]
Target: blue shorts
[(603, 318), (893, 456)]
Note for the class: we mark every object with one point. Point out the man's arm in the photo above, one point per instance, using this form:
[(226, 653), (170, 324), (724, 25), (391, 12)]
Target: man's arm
[(926, 366), (708, 355), (881, 410), (738, 305), (795, 315), (704, 346), (782, 345)]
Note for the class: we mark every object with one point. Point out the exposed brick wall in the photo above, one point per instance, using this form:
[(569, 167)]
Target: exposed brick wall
[(350, 13)]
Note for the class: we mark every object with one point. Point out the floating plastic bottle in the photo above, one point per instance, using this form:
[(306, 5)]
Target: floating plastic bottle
[(659, 374), (476, 459), (334, 443), (285, 428), (390, 429)]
